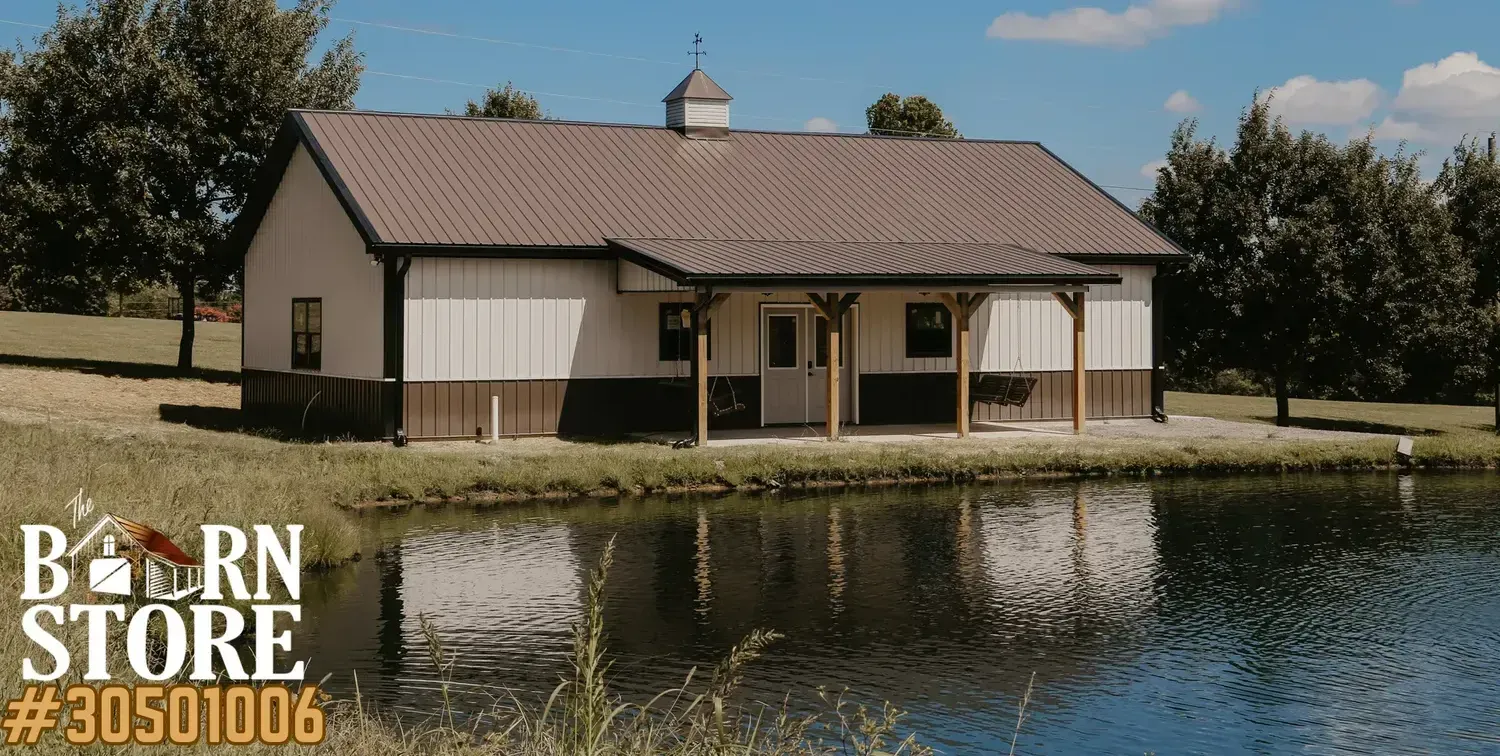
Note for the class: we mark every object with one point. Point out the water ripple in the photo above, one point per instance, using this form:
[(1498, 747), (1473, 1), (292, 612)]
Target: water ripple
[(1348, 614)]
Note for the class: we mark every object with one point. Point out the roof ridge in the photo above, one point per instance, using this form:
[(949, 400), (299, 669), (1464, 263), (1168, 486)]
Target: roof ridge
[(823, 241), (651, 127)]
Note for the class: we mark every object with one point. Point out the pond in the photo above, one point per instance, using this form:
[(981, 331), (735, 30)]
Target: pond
[(1321, 614)]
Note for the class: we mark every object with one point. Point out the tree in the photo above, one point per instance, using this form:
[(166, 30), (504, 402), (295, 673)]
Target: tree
[(1470, 187), (137, 128), (1319, 269), (1411, 330), (1188, 206), (506, 102), (914, 116)]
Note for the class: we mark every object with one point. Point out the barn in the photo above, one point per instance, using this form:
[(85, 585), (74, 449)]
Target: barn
[(404, 273)]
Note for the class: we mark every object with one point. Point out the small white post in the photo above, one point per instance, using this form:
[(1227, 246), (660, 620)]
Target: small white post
[(494, 419)]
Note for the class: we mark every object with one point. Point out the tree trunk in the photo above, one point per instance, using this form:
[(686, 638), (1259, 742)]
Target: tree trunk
[(1283, 402), (189, 307)]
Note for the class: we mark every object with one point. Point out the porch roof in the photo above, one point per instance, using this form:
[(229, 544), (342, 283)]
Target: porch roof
[(839, 264)]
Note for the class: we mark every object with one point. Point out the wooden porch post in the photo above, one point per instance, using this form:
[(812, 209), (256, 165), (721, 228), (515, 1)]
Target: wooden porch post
[(1080, 365), (703, 306), (832, 308), (1074, 305), (963, 307)]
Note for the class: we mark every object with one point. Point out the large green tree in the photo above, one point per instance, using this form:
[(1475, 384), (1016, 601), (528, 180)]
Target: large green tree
[(1319, 269), (916, 115), (1470, 186), (505, 102), (136, 128)]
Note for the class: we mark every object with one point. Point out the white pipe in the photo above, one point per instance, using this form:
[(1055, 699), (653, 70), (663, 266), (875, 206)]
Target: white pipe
[(494, 419)]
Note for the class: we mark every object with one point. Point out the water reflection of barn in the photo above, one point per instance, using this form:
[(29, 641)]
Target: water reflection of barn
[(1025, 579)]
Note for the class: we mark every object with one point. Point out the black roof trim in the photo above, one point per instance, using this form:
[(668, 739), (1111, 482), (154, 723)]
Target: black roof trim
[(293, 132)]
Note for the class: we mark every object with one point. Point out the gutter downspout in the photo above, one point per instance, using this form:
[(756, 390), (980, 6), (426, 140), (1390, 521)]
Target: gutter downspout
[(396, 266)]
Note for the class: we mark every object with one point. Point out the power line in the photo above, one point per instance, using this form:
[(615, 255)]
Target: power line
[(595, 53), (413, 77), (1126, 188), (553, 94), (494, 41), (751, 72)]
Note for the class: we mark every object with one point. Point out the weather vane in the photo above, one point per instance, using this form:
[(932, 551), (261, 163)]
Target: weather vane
[(697, 51)]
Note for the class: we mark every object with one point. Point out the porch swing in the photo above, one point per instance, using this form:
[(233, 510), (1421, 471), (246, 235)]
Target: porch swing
[(1005, 389), (720, 402)]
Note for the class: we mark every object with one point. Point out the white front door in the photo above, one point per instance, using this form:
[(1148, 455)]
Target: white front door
[(784, 360), (794, 372)]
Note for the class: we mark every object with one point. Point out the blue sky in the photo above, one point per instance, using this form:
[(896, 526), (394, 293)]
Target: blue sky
[(1091, 79)]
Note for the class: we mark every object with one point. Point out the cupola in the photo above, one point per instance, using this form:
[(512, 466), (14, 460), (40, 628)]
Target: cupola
[(698, 107)]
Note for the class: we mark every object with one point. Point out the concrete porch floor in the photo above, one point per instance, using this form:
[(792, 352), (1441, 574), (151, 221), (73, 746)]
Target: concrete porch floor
[(1179, 427)]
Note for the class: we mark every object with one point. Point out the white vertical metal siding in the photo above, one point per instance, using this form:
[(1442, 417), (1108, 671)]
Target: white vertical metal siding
[(634, 278), (492, 319), (882, 335), (1032, 332), (306, 246)]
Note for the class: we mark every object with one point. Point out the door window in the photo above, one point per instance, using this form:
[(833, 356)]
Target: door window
[(781, 341)]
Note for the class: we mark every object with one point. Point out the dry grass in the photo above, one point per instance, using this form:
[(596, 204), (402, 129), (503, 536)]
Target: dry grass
[(107, 404)]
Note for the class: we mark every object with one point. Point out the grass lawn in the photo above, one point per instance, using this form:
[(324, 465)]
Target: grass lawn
[(129, 347), (1367, 417)]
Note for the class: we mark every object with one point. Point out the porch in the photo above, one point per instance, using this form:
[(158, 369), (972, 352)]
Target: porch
[(797, 350)]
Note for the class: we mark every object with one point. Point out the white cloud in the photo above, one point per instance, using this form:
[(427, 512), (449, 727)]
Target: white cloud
[(1306, 100), (1440, 102), (1132, 27), (1182, 102), (1149, 170), (820, 124)]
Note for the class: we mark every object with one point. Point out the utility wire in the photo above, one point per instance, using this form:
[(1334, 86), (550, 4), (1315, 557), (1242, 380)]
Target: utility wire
[(552, 94), (752, 72), (595, 53), (494, 41)]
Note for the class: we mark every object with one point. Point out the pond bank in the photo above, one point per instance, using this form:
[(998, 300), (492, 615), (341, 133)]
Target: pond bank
[(638, 470)]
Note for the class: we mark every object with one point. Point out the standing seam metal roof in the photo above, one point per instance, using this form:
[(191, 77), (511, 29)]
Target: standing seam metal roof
[(439, 180)]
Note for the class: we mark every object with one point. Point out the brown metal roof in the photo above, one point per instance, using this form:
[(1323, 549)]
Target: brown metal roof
[(698, 86), (698, 260), (444, 181)]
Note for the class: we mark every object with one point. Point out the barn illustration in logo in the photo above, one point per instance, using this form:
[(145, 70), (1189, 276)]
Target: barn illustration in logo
[(121, 553)]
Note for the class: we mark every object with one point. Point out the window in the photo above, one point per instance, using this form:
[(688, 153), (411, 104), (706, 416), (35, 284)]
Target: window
[(781, 341), (820, 327), (929, 330), (675, 335), (307, 334)]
